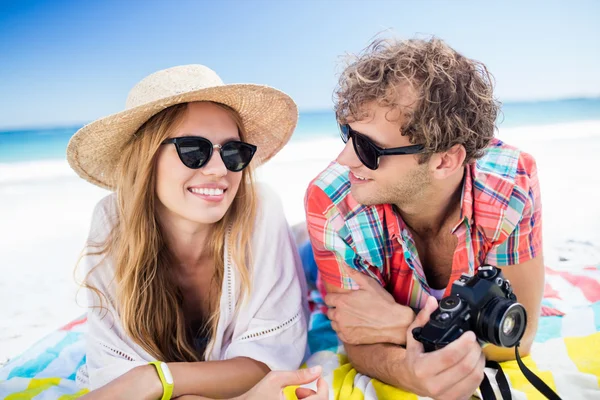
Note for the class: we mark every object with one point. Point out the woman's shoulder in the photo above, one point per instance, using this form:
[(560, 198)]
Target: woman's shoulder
[(106, 207), (270, 209), (103, 217)]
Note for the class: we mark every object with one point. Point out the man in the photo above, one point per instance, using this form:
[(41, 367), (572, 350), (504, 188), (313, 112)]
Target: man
[(421, 193)]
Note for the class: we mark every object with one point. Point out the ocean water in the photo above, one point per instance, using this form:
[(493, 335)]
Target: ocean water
[(51, 143)]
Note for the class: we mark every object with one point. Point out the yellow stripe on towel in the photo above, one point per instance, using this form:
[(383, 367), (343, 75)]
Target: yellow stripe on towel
[(35, 387), (520, 383), (74, 396), (585, 353)]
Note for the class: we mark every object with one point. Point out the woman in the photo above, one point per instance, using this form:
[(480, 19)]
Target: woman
[(195, 285)]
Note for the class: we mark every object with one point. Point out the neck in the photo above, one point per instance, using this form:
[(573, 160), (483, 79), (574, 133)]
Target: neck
[(435, 208), (187, 242)]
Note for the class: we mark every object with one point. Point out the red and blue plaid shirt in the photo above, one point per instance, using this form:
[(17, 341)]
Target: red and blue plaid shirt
[(500, 224)]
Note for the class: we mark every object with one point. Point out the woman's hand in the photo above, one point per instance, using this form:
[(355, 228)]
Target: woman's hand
[(271, 386)]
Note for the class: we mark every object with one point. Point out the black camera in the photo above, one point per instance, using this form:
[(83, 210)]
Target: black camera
[(484, 304)]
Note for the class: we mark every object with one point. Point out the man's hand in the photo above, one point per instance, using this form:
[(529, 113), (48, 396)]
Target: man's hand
[(454, 372), (368, 315)]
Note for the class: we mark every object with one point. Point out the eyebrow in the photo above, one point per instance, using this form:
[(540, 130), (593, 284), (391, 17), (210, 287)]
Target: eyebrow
[(226, 140)]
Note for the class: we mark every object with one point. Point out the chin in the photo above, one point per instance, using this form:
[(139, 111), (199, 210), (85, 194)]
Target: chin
[(363, 197), (208, 218)]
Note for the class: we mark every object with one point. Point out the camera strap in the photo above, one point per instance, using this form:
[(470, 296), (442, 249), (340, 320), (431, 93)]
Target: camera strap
[(487, 392)]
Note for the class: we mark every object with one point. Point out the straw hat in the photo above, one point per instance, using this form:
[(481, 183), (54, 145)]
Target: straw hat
[(269, 117)]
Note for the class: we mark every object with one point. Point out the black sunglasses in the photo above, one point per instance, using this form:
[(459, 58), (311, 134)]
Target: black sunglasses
[(195, 151), (368, 152)]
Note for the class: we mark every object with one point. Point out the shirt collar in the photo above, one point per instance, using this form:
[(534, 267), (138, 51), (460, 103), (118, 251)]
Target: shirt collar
[(466, 199)]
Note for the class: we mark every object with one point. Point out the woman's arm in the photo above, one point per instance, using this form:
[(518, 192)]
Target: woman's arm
[(211, 379), (218, 379)]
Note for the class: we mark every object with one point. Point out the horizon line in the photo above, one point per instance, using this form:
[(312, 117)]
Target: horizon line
[(308, 110)]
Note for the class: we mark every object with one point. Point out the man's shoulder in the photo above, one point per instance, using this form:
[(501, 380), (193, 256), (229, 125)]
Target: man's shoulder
[(502, 181), (503, 168)]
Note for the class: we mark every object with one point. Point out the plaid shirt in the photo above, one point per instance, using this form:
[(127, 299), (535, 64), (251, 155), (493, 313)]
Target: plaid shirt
[(500, 224)]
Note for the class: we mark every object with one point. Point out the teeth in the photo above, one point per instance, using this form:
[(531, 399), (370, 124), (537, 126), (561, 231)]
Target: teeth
[(359, 177), (207, 191)]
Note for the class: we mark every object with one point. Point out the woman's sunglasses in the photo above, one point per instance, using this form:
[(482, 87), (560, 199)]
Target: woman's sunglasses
[(368, 152), (195, 151)]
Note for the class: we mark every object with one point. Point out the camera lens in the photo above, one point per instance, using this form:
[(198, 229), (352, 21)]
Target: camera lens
[(502, 322), (508, 325)]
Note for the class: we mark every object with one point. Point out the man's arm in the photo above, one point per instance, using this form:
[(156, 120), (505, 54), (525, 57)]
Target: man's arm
[(382, 361), (519, 255), (527, 280)]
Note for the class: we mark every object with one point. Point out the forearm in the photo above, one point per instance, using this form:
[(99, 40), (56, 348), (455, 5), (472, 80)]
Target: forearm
[(209, 379), (382, 361), (217, 379)]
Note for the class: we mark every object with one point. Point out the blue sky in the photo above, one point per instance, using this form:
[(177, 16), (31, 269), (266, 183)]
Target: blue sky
[(68, 62)]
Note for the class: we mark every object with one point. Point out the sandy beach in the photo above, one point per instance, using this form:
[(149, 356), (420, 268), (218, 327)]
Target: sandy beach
[(45, 211)]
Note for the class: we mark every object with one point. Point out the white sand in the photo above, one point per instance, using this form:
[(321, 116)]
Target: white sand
[(45, 212)]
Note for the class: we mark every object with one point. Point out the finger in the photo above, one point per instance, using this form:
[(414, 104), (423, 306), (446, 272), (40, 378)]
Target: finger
[(322, 391), (453, 354), (460, 369), (469, 384), (335, 326), (333, 299), (420, 320), (332, 314), (302, 393), (363, 280), (322, 388), (298, 377)]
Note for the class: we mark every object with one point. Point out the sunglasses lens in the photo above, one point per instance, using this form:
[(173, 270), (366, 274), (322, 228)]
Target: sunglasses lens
[(365, 151), (237, 155), (194, 152), (345, 132)]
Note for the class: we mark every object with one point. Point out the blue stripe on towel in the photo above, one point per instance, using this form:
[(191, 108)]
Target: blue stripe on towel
[(549, 328), (596, 308), (74, 374), (31, 368)]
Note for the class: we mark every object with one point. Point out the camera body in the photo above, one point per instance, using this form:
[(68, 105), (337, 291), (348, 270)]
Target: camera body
[(484, 304)]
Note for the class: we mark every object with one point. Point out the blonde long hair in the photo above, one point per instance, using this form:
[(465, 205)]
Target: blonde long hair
[(149, 302)]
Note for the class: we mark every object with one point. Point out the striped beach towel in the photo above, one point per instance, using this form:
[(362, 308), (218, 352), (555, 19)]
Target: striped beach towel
[(566, 354)]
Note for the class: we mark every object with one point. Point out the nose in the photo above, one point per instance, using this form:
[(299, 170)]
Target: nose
[(348, 157), (215, 165)]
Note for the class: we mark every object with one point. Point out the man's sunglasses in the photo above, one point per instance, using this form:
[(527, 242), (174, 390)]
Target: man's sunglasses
[(195, 151), (368, 152)]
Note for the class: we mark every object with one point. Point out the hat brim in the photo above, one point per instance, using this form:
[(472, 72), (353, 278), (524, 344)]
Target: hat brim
[(269, 117)]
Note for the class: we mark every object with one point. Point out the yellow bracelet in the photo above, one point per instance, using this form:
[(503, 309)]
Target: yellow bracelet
[(165, 378)]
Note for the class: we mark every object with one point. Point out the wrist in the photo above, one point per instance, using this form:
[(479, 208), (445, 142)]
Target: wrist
[(401, 317), (402, 376), (152, 387)]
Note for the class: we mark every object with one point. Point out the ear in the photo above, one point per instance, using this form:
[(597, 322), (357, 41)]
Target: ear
[(448, 162)]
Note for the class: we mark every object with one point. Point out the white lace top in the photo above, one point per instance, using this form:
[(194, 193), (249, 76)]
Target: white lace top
[(271, 327)]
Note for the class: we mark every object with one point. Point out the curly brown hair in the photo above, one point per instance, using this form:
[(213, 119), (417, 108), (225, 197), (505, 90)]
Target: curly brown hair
[(451, 96)]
